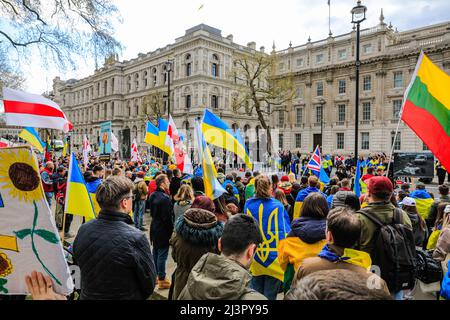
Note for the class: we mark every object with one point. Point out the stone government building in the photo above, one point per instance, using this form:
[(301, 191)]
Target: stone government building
[(323, 74)]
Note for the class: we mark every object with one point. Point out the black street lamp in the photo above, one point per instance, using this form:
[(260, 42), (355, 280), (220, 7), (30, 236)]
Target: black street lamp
[(169, 64), (358, 16), (322, 103)]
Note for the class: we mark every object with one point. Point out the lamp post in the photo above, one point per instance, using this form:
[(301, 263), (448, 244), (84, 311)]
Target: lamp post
[(322, 103), (358, 16), (169, 64)]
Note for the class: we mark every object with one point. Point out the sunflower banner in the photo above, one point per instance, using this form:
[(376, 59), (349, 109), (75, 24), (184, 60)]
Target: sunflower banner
[(29, 240)]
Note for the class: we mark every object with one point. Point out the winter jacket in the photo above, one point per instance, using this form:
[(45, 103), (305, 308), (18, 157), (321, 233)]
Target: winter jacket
[(431, 219), (311, 265), (221, 177), (47, 182), (189, 244), (419, 235), (180, 208), (175, 185), (383, 211), (339, 199), (306, 239), (301, 196), (216, 277), (161, 210), (443, 245), (115, 259)]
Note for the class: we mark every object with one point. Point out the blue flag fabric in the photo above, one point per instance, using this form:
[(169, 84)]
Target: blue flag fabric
[(323, 177), (357, 187)]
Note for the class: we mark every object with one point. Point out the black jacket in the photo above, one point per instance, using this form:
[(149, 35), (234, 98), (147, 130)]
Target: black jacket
[(115, 259), (161, 209), (175, 185)]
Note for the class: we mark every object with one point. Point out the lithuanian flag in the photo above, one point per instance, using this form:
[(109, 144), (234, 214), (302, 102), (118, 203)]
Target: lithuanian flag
[(426, 109)]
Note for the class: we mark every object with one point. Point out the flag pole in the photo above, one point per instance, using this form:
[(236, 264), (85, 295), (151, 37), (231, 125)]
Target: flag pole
[(393, 142)]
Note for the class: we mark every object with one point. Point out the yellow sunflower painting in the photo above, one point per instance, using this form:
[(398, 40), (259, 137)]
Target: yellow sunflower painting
[(19, 175), (6, 267)]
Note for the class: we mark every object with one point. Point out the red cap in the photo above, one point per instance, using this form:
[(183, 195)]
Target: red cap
[(141, 174), (284, 179), (379, 184)]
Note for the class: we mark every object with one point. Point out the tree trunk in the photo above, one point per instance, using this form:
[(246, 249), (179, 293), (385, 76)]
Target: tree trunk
[(263, 123)]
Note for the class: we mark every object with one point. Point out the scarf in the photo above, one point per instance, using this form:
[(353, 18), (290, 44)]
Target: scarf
[(355, 257)]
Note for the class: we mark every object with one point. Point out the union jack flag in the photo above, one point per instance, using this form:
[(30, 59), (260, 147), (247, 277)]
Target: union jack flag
[(315, 162)]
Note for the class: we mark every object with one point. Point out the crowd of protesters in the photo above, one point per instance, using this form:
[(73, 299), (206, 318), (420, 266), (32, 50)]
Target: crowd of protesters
[(327, 245)]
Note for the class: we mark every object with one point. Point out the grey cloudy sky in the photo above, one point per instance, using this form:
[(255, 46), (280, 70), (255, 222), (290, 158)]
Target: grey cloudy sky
[(150, 24)]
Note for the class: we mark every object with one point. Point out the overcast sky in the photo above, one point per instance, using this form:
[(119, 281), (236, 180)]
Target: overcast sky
[(148, 25)]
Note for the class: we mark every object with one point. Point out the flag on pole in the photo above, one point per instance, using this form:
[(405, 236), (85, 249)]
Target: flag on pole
[(86, 149), (219, 134), (135, 157), (213, 189), (166, 144), (426, 108), (323, 176), (78, 201), (152, 136), (315, 163), (114, 142), (30, 135), (34, 110)]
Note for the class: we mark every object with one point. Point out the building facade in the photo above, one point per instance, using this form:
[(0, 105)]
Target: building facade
[(323, 73), (201, 63), (324, 77)]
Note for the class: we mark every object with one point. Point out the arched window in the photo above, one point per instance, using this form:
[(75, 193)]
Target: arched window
[(136, 79), (188, 56), (188, 101), (145, 79), (188, 65), (214, 102), (154, 76), (215, 66)]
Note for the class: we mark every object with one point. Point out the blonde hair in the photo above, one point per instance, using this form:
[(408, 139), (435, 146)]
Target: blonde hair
[(184, 193), (292, 177), (263, 187)]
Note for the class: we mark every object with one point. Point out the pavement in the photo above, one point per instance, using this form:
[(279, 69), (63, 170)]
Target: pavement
[(171, 265)]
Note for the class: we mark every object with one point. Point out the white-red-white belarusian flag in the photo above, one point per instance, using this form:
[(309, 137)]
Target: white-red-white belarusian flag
[(33, 110), (135, 152), (181, 157)]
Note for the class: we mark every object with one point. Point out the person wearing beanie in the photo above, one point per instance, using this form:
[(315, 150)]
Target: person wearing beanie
[(418, 224), (286, 186), (196, 233)]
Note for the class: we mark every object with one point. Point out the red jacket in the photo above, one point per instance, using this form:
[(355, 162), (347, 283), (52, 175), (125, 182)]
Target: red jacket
[(47, 187)]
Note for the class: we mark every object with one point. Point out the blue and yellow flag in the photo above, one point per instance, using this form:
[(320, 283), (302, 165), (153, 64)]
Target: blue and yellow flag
[(219, 134), (163, 127), (273, 222), (31, 136), (78, 201), (357, 182), (152, 136), (423, 202), (213, 188)]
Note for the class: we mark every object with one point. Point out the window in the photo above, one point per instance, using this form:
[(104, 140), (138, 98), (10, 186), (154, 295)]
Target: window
[(367, 83), (319, 89), (136, 77), (367, 48), (165, 74), (280, 141), (342, 86), (188, 101), (281, 66), (105, 88), (398, 143), (215, 70), (340, 141), (154, 77), (129, 84), (145, 79), (214, 102), (365, 141), (281, 118), (188, 69), (319, 58), (318, 114), (299, 116), (397, 107), (299, 93), (298, 140), (341, 113), (366, 111), (300, 62), (342, 54), (398, 79)]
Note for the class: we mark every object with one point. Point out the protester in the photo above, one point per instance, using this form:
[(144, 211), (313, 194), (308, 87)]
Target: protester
[(175, 183), (47, 182), (342, 232), (335, 285), (424, 201), (114, 270), (229, 196), (198, 186), (183, 201), (140, 194), (443, 243), (418, 224), (221, 210), (196, 233), (267, 279), (313, 183), (443, 197), (280, 196), (161, 228)]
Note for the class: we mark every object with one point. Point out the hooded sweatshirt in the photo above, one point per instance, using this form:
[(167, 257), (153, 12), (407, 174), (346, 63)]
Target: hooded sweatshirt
[(216, 277)]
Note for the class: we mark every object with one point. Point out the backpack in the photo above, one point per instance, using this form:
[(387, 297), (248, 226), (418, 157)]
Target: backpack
[(394, 252), (428, 269), (137, 191)]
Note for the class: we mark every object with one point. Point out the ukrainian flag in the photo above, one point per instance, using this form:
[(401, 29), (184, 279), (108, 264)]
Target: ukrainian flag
[(357, 187), (163, 126), (273, 222), (152, 136), (213, 188), (423, 202), (31, 136), (78, 201), (219, 134)]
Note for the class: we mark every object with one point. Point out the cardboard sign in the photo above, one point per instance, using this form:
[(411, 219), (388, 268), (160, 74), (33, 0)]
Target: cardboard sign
[(29, 240)]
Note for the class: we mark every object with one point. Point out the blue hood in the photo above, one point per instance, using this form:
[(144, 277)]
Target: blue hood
[(309, 230), (305, 192), (420, 194)]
